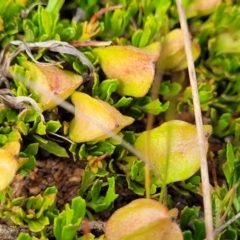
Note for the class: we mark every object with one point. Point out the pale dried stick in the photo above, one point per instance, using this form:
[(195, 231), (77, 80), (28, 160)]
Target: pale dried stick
[(225, 225), (199, 124)]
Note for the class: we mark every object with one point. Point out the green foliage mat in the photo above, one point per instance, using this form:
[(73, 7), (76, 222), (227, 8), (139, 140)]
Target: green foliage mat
[(78, 80)]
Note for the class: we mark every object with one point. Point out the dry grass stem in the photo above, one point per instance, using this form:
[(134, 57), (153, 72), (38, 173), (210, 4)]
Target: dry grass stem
[(199, 124), (225, 225)]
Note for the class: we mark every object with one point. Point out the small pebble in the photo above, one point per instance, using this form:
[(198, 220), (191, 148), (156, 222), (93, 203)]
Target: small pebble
[(35, 190)]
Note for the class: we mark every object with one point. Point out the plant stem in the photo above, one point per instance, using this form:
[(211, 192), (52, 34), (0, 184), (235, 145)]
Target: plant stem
[(199, 124)]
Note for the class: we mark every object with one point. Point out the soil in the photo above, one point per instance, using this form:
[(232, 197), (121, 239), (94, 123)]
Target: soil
[(65, 174)]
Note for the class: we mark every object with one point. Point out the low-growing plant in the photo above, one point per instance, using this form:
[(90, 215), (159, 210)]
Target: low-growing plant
[(83, 80)]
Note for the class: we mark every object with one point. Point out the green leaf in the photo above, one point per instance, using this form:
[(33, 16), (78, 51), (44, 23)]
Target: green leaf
[(45, 22), (228, 167), (123, 102), (34, 202), (16, 220), (2, 197), (200, 231), (222, 127), (192, 184), (29, 165), (169, 89), (135, 176), (101, 148), (67, 34), (49, 200), (39, 213), (68, 214), (53, 126), (150, 29), (3, 112), (135, 187), (50, 190), (155, 107), (104, 203), (22, 127), (145, 37), (230, 233), (187, 215), (54, 5), (21, 90), (79, 207), (82, 152), (14, 136), (95, 85), (31, 149), (230, 157), (3, 139), (6, 130), (73, 149), (51, 147), (118, 20), (11, 115), (17, 201), (38, 225), (106, 88), (55, 149), (69, 231), (136, 37), (30, 30), (41, 129), (28, 115), (57, 226), (129, 136), (96, 189), (24, 236), (67, 223), (187, 235), (87, 179), (145, 104)]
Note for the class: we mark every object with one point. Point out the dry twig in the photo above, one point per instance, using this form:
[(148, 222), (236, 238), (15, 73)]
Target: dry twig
[(199, 124)]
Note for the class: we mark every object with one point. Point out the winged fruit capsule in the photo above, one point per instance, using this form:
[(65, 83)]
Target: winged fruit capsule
[(52, 79), (142, 219), (93, 117), (133, 67), (8, 163), (201, 7), (173, 149), (172, 56)]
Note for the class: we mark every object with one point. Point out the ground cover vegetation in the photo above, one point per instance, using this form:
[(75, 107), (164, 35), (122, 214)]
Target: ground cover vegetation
[(100, 89)]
